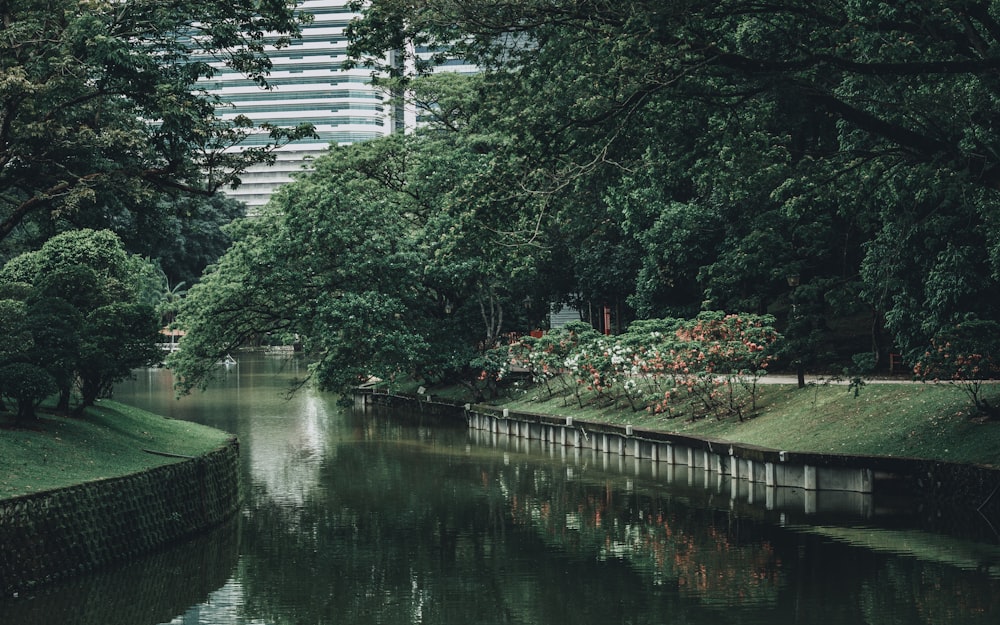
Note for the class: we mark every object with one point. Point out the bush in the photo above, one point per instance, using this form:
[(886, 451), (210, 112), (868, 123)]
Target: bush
[(967, 356), (710, 365), (27, 385)]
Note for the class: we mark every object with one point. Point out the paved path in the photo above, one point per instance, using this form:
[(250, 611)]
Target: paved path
[(790, 378)]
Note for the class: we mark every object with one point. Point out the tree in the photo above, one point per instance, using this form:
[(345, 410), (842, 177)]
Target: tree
[(967, 356), (101, 102), (332, 259), (390, 258), (843, 60), (27, 385), (181, 232), (119, 337), (83, 316), (848, 143)]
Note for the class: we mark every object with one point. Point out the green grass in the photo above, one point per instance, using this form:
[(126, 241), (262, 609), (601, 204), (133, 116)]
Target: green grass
[(108, 441), (885, 419)]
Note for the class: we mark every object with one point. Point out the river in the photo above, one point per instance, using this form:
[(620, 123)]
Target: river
[(363, 519)]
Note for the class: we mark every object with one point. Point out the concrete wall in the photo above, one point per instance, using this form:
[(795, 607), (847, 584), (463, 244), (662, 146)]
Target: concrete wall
[(801, 475)]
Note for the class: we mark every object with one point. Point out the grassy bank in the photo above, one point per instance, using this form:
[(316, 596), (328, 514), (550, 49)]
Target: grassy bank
[(885, 419), (108, 441)]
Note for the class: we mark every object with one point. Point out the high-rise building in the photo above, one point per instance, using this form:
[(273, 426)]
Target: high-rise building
[(308, 84)]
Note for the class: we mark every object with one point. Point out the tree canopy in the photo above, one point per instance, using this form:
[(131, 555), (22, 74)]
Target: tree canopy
[(76, 315), (740, 143), (832, 164), (100, 101), (370, 261)]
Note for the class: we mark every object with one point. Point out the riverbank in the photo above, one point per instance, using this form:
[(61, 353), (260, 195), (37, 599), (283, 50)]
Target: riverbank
[(110, 440), (889, 418), (118, 483)]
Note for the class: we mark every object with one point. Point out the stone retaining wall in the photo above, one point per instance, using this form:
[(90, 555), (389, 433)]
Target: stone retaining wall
[(56, 534)]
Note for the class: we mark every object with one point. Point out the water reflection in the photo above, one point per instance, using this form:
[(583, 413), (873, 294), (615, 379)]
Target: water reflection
[(356, 518), (150, 590)]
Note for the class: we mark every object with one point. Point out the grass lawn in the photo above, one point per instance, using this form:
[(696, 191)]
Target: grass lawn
[(108, 441), (911, 420), (886, 419)]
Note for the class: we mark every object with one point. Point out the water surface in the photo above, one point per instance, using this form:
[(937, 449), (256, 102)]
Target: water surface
[(354, 518)]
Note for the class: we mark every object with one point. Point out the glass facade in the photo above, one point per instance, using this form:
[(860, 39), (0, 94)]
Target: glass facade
[(308, 84)]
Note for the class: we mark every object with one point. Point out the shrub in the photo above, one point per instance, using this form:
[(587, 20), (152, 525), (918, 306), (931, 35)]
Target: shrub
[(967, 356), (27, 385)]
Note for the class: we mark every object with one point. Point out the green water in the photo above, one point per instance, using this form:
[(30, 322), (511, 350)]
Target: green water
[(366, 519)]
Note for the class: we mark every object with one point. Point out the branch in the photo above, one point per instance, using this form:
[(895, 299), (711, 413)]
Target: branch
[(754, 66), (39, 199)]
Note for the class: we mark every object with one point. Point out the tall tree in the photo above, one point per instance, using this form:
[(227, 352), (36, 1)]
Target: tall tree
[(848, 144), (398, 256), (101, 99)]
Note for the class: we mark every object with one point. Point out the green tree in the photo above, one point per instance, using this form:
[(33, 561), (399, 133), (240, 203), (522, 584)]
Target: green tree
[(119, 337), (84, 312), (100, 101), (332, 259), (42, 345), (182, 233), (388, 259), (738, 144), (27, 385)]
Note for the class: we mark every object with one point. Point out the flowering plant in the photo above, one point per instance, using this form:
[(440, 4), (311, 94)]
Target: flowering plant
[(967, 356)]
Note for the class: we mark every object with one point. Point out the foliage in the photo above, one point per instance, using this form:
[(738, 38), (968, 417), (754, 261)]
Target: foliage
[(709, 365), (119, 337), (27, 385), (183, 234), (967, 356), (372, 261), (77, 313), (714, 359), (100, 102), (680, 158), (661, 160), (544, 358), (318, 264)]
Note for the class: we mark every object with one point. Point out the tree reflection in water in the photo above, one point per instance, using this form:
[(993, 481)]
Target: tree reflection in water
[(408, 527), (362, 519)]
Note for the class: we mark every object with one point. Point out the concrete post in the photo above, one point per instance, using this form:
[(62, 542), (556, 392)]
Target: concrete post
[(669, 457), (809, 478)]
